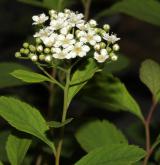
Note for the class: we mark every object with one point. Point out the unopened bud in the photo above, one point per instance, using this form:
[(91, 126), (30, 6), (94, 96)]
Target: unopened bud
[(25, 45), (17, 54), (47, 50), (106, 27), (40, 48), (32, 48), (116, 47)]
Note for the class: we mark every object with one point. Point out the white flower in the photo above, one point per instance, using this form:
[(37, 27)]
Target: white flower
[(76, 20), (60, 53), (49, 41), (79, 50), (111, 38), (91, 37), (58, 23), (102, 56), (34, 58), (40, 19), (65, 41), (43, 33)]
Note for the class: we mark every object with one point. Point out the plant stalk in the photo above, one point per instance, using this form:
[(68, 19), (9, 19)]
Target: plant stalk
[(87, 6), (64, 115), (147, 123)]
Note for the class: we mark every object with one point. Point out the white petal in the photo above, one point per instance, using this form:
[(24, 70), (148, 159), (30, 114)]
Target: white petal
[(86, 48), (104, 52)]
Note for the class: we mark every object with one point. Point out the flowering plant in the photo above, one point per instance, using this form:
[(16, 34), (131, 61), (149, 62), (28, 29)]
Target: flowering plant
[(69, 50)]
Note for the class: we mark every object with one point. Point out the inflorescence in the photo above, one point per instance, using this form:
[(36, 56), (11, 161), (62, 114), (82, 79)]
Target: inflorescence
[(66, 35)]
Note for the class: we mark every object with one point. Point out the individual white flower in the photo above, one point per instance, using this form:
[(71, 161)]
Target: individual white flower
[(111, 38), (102, 56), (65, 40), (60, 53), (43, 33), (80, 50), (49, 41), (91, 37), (48, 58), (76, 20), (58, 24), (65, 30), (39, 19)]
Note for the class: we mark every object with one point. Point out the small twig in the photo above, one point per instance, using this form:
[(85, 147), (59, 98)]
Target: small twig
[(87, 6), (147, 123)]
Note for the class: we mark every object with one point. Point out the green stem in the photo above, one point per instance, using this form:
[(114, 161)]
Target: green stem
[(87, 6), (64, 115), (147, 123), (53, 80)]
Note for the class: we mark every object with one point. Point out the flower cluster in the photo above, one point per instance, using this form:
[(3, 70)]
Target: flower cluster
[(66, 35)]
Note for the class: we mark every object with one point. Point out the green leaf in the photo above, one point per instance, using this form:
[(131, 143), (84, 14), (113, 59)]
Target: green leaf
[(149, 75), (1, 163), (117, 66), (55, 124), (49, 4), (29, 77), (145, 10), (81, 76), (16, 149), (107, 135), (110, 93), (6, 79), (3, 140), (24, 118), (120, 154)]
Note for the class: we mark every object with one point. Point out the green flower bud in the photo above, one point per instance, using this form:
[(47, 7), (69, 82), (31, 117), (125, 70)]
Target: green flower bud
[(17, 54), (48, 58), (47, 50), (38, 40), (102, 32), (26, 51), (22, 50), (42, 57), (116, 47), (106, 27), (109, 49), (32, 48), (97, 30), (40, 48), (102, 45), (113, 56), (33, 57), (25, 45)]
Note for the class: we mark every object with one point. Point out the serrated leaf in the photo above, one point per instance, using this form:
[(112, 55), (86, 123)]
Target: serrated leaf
[(141, 9), (81, 76), (3, 140), (24, 118), (120, 154), (29, 77), (149, 75), (110, 93), (107, 135), (6, 79), (56, 124), (16, 149)]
